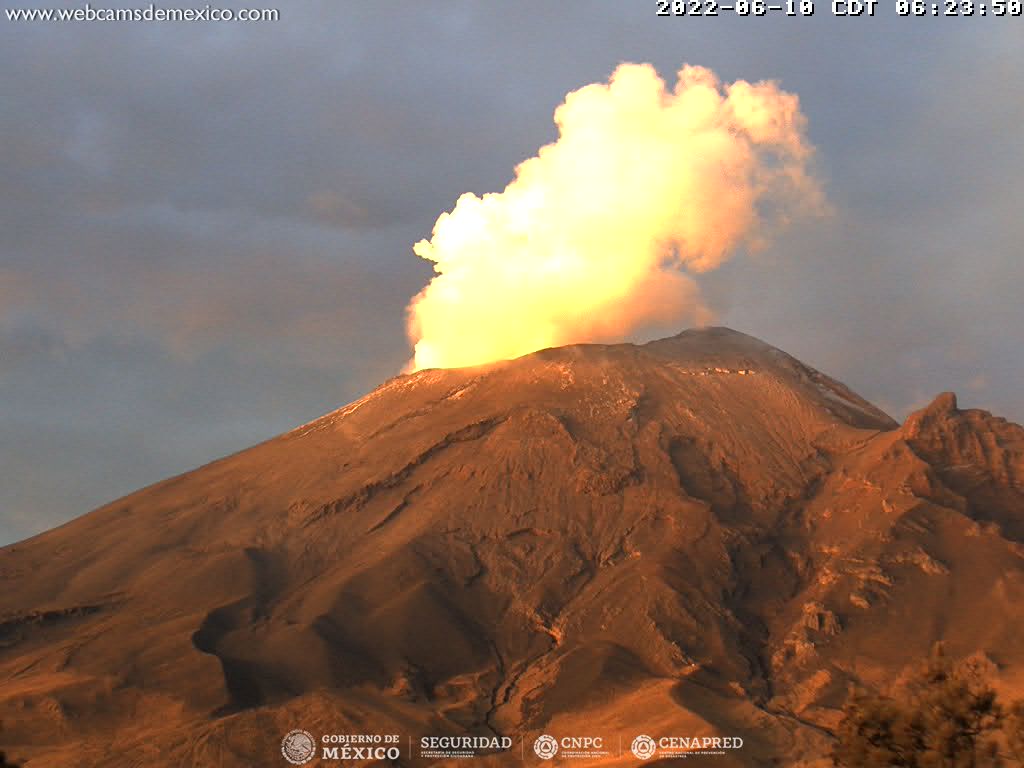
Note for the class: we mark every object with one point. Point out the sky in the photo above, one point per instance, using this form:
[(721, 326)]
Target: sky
[(206, 229)]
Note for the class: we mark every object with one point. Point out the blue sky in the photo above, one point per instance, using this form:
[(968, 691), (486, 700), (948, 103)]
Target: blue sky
[(206, 229)]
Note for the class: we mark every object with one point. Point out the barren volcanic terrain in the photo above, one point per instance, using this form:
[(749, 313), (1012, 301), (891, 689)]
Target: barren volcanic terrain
[(699, 535)]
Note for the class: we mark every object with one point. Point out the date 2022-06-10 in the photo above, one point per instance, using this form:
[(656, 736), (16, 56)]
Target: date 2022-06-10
[(680, 8)]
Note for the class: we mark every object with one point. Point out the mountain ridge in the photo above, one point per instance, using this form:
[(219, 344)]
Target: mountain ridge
[(698, 534)]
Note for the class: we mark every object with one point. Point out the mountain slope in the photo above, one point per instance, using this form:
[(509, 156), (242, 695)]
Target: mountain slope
[(698, 535)]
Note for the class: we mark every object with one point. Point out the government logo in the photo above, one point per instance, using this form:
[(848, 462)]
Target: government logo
[(298, 747)]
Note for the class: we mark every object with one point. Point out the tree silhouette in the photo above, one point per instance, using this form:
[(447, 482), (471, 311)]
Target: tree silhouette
[(1013, 727), (945, 717)]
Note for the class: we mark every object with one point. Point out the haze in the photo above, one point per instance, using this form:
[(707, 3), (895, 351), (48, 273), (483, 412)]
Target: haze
[(206, 230)]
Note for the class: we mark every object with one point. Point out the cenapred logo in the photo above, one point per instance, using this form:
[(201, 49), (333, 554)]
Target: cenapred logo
[(298, 747), (545, 747), (643, 747)]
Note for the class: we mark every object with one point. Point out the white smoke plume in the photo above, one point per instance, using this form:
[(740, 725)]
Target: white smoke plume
[(596, 235)]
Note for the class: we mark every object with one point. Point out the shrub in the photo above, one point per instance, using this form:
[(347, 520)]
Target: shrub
[(946, 716)]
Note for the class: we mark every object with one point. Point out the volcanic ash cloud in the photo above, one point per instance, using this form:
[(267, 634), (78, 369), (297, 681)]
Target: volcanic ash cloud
[(597, 235)]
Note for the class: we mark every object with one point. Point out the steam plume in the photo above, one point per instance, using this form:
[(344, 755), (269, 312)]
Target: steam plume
[(595, 236)]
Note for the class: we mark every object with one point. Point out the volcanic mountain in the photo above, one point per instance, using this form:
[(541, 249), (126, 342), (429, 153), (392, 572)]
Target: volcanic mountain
[(700, 535)]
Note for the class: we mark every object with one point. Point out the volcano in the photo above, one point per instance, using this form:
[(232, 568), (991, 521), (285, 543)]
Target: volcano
[(698, 536)]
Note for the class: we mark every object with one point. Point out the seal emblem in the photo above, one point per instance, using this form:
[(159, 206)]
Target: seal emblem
[(643, 747), (298, 747), (545, 747)]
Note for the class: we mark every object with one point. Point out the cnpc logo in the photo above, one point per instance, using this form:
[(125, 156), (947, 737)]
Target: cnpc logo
[(546, 747)]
